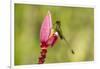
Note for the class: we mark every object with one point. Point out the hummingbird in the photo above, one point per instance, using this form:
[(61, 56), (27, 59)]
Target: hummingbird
[(60, 33)]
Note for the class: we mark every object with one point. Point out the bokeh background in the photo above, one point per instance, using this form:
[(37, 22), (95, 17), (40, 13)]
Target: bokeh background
[(77, 25)]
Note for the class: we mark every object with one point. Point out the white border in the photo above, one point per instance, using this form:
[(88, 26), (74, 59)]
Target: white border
[(4, 34), (74, 3), (12, 33)]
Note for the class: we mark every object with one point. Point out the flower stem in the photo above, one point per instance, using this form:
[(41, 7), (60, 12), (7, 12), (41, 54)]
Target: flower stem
[(42, 56)]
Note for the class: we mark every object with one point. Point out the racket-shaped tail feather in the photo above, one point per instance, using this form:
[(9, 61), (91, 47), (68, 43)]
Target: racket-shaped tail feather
[(72, 51)]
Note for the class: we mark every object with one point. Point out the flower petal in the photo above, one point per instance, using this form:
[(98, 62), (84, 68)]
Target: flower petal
[(46, 28)]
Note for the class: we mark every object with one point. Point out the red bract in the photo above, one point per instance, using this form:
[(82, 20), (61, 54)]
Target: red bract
[(52, 39)]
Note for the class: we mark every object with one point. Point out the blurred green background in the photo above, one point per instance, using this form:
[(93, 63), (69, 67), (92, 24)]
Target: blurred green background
[(77, 24)]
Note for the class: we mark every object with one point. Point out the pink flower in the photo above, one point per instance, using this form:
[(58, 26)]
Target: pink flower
[(46, 28), (47, 37)]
